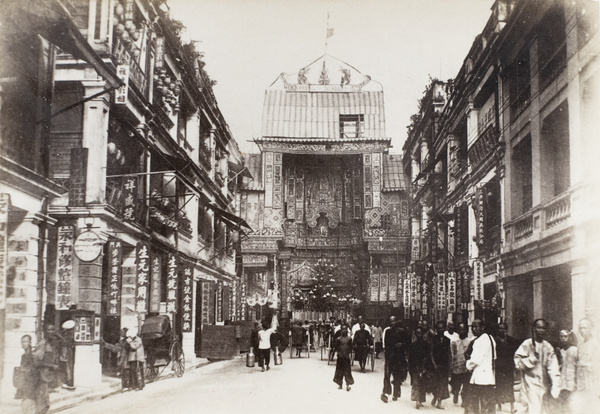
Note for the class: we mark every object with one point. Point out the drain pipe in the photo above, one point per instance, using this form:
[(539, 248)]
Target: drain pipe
[(41, 270)]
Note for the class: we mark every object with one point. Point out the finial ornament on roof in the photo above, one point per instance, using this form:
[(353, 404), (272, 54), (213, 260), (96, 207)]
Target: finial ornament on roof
[(324, 79), (302, 76), (345, 77)]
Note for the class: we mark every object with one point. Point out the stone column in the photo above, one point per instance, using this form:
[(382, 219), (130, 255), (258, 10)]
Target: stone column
[(95, 139)]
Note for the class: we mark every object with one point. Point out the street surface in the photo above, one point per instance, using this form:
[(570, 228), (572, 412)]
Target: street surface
[(298, 386)]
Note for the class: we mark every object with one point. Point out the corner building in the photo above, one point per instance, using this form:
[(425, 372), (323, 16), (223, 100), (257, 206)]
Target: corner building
[(328, 203)]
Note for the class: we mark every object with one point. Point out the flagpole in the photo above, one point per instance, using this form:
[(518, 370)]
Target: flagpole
[(327, 34)]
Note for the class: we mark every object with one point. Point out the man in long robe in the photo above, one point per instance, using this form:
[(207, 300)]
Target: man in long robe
[(587, 369), (537, 363)]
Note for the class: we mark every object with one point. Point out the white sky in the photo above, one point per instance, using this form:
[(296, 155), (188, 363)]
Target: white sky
[(399, 43)]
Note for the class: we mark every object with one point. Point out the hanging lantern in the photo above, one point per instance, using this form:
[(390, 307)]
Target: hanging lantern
[(135, 36), (111, 148), (119, 9), (119, 29), (128, 25)]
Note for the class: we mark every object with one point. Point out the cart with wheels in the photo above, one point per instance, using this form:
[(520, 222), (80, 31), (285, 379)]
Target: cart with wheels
[(162, 347)]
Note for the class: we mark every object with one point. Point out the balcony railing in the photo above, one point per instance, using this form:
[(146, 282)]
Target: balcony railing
[(551, 217), (520, 102), (484, 145)]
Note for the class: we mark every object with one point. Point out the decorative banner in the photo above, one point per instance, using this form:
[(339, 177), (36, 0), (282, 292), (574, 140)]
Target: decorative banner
[(383, 287), (441, 293), (187, 298), (121, 92), (64, 267), (393, 295), (478, 280), (115, 274), (451, 295), (4, 209), (130, 198), (172, 283), (155, 283), (142, 277), (374, 288), (415, 251), (424, 298)]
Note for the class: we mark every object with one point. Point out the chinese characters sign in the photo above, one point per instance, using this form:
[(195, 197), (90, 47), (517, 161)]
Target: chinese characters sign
[(172, 283), (407, 296), (130, 197), (441, 285), (64, 266), (4, 207), (121, 93), (478, 280), (115, 252), (155, 278), (142, 277), (451, 280), (187, 298)]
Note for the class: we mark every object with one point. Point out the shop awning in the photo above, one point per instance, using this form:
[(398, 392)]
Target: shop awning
[(231, 219), (238, 169), (52, 21)]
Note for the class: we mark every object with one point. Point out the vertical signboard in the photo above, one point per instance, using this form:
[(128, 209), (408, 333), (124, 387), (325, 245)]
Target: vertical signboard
[(142, 277), (155, 282), (186, 297), (121, 92), (243, 302), (441, 285), (115, 274), (130, 198), (78, 177), (451, 282), (4, 208), (374, 287), (219, 294), (478, 280), (64, 267), (393, 294), (383, 286), (414, 290), (407, 296), (172, 283), (205, 302)]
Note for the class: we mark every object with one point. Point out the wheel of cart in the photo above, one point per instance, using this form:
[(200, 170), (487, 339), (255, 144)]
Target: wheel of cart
[(162, 347), (177, 359)]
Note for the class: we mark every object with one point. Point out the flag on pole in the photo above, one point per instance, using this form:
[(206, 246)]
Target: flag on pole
[(329, 32)]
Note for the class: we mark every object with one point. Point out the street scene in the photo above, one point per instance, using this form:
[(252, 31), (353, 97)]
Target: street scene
[(243, 206)]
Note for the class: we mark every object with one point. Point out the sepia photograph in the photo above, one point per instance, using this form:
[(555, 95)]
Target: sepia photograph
[(299, 206)]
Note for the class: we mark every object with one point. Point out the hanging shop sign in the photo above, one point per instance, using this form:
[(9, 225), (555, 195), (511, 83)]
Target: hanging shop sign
[(478, 280), (374, 288), (393, 294), (130, 198), (88, 246), (243, 301), (219, 302), (451, 282), (121, 92), (172, 283), (142, 277), (4, 209), (64, 267), (441, 292), (155, 282), (383, 286), (205, 294), (414, 291), (186, 297), (115, 254), (407, 296)]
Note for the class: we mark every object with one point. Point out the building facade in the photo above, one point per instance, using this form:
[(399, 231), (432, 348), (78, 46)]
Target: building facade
[(328, 203), (503, 183), (119, 180)]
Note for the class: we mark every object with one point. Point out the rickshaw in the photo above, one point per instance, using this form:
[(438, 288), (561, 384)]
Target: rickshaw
[(162, 347)]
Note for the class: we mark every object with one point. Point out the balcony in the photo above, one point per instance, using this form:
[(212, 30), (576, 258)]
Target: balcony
[(541, 221), (520, 102), (484, 145)]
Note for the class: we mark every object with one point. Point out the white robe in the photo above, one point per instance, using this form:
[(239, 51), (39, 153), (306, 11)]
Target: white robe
[(538, 373)]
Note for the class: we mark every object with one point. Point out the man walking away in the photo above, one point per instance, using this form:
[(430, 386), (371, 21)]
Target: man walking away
[(396, 341), (343, 347), (505, 367), (440, 350), (377, 339), (537, 363), (419, 366), (460, 377), (362, 344), (264, 346), (481, 362)]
